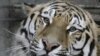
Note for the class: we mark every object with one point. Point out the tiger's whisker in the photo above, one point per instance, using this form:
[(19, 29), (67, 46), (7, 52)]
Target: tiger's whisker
[(11, 32), (12, 50), (15, 48)]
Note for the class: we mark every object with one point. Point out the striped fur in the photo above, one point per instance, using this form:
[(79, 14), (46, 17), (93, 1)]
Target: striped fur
[(59, 29)]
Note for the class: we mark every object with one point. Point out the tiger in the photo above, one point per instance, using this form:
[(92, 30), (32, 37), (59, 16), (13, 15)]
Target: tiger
[(58, 29)]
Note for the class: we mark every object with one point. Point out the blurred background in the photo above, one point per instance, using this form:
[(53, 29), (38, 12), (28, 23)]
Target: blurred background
[(11, 14)]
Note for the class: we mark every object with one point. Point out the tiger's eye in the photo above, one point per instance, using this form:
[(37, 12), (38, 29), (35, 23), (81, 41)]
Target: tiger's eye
[(46, 20), (72, 29), (46, 12)]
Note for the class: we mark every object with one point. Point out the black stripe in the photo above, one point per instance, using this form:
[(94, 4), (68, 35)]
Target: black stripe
[(82, 30), (30, 21), (92, 45), (45, 46), (32, 15), (24, 22), (80, 12), (87, 28), (78, 39), (24, 48), (31, 5), (77, 19), (80, 54), (41, 11), (63, 6), (58, 7), (79, 15), (70, 14), (26, 34), (35, 24), (83, 15), (87, 38), (23, 30), (79, 49), (31, 34), (90, 20)]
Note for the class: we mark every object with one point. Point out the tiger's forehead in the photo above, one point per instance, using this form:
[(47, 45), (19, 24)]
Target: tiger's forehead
[(55, 9), (49, 5), (39, 7)]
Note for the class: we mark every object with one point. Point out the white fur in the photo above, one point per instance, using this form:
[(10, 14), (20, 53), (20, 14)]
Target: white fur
[(75, 23), (50, 13)]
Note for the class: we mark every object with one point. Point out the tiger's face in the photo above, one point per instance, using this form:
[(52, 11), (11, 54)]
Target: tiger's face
[(55, 38), (53, 34)]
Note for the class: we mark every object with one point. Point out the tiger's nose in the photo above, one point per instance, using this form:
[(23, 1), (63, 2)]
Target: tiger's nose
[(50, 46)]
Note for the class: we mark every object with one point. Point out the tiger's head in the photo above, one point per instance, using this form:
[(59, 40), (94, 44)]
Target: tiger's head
[(54, 30)]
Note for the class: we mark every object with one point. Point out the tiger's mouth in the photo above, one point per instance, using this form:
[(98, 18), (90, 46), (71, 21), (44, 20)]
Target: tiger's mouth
[(41, 49)]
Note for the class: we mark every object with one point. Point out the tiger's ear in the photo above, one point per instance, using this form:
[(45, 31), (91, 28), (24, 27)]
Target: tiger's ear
[(27, 8)]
